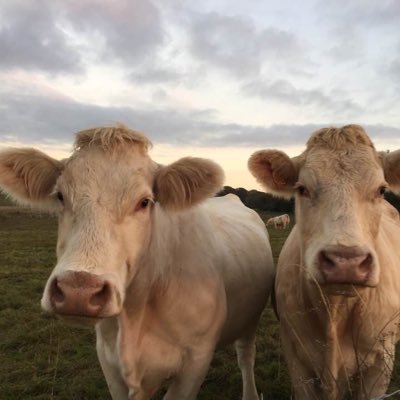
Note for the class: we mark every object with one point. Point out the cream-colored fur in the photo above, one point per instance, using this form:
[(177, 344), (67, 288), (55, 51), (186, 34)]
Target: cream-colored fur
[(29, 175), (185, 272), (338, 338)]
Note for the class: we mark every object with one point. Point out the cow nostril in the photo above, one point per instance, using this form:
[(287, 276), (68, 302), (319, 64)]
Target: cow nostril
[(56, 293), (366, 264), (102, 296), (325, 261)]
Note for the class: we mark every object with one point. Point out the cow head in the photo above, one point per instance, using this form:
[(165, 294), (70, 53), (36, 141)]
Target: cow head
[(338, 182), (105, 196)]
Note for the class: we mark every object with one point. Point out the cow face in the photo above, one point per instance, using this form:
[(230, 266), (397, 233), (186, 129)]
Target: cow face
[(104, 196), (338, 183), (104, 200)]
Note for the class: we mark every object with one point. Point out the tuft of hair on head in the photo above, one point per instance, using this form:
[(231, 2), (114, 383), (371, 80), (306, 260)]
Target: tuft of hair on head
[(340, 138), (108, 138)]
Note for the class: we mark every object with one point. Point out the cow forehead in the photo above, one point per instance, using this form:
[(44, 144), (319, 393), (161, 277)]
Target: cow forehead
[(95, 172), (354, 165)]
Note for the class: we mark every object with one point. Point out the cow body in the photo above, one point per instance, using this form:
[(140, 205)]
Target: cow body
[(329, 339), (281, 221), (338, 276), (163, 272), (173, 335)]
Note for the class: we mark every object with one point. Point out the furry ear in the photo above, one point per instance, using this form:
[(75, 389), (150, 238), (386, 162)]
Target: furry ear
[(29, 176), (391, 168), (275, 171), (187, 182)]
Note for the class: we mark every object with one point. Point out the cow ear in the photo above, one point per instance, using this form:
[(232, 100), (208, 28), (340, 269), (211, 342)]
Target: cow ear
[(274, 170), (391, 168), (29, 176), (187, 182)]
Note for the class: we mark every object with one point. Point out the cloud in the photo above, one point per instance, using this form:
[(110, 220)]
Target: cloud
[(59, 37), (391, 69), (129, 31), (37, 118), (30, 38), (155, 75), (285, 92), (315, 63), (370, 13), (234, 44), (394, 70), (351, 29), (33, 117)]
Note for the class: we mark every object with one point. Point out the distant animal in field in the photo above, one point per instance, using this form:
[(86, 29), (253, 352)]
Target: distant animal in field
[(338, 275), (163, 271), (281, 221)]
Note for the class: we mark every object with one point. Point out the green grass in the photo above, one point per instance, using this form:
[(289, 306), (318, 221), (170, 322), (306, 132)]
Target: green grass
[(42, 358)]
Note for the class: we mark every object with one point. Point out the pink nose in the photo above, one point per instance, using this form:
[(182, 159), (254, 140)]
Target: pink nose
[(346, 265), (80, 293)]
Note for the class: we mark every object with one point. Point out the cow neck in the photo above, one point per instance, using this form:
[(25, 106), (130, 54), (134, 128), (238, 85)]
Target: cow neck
[(173, 234)]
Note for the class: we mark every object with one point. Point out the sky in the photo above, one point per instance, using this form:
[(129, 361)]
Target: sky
[(214, 78)]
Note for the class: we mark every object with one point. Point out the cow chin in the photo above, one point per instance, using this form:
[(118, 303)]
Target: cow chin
[(80, 322), (83, 321), (344, 289)]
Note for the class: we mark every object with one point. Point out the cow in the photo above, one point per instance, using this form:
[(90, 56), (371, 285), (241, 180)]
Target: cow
[(162, 271), (338, 274), (280, 221)]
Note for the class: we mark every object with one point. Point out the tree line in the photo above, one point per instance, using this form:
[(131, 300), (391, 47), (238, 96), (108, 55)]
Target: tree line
[(260, 200), (266, 202)]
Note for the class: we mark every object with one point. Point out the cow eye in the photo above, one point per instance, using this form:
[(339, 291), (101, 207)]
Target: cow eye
[(60, 197), (302, 191), (144, 203), (381, 191)]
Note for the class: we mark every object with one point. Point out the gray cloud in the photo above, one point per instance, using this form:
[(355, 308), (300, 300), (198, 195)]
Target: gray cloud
[(31, 39), (391, 69), (285, 92), (236, 45), (394, 70), (33, 117), (154, 75), (36, 118), (352, 26), (129, 30), (65, 36), (361, 12), (42, 35)]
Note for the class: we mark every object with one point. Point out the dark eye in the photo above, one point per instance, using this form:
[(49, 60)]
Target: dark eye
[(302, 191), (381, 191), (144, 203), (60, 197)]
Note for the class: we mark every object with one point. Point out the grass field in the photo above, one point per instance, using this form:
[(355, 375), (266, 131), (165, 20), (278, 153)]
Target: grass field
[(42, 358)]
